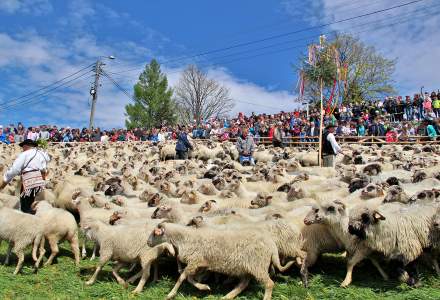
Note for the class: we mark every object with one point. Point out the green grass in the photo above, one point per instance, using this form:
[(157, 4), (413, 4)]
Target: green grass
[(64, 281)]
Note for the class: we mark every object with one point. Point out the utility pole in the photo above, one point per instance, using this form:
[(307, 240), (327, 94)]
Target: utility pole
[(94, 92)]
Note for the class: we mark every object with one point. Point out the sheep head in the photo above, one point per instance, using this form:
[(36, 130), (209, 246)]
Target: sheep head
[(372, 190), (162, 212), (396, 194), (295, 193), (157, 236), (219, 183), (207, 189), (329, 212), (207, 206), (196, 222), (189, 197), (418, 176), (261, 200), (361, 219), (117, 215), (372, 169)]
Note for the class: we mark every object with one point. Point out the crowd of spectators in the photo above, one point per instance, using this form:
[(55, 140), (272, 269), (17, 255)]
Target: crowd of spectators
[(394, 118)]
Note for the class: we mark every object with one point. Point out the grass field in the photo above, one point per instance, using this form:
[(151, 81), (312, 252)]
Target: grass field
[(64, 281)]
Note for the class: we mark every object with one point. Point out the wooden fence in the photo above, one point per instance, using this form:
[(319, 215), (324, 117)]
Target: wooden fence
[(313, 141)]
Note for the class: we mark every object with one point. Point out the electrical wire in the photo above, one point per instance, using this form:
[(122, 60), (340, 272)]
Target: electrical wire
[(36, 98), (307, 39), (289, 33), (45, 87)]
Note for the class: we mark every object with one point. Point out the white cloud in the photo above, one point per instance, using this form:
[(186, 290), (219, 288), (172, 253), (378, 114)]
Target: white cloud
[(411, 39), (36, 7), (29, 61)]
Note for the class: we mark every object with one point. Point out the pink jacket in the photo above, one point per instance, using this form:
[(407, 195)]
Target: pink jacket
[(427, 104)]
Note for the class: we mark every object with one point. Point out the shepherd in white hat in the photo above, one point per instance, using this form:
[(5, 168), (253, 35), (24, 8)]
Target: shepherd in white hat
[(31, 165)]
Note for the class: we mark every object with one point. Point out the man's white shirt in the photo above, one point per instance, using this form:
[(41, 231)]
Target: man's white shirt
[(39, 162)]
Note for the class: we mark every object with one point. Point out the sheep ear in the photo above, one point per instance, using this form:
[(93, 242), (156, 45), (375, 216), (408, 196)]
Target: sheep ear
[(377, 216), (159, 231), (340, 203)]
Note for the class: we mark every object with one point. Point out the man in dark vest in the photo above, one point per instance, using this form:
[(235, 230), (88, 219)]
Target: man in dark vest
[(330, 147)]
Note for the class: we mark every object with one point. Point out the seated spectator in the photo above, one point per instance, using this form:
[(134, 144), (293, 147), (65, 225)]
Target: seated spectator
[(154, 136), (3, 136), (391, 135), (430, 130)]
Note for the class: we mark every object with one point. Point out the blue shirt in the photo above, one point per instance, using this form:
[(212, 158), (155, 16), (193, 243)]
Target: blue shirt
[(4, 139), (154, 138)]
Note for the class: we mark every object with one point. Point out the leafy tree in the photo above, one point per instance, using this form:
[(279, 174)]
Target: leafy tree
[(153, 105), (368, 73)]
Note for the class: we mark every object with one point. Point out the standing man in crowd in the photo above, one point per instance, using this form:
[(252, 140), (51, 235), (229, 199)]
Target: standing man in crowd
[(246, 146), (31, 165), (183, 145), (330, 147), (277, 139)]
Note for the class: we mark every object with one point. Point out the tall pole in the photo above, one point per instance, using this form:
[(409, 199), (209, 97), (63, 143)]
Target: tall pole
[(94, 93), (320, 126)]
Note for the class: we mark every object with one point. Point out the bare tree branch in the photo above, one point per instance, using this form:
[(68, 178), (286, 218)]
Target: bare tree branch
[(199, 97)]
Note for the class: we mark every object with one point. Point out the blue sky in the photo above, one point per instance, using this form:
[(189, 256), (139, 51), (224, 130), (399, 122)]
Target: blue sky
[(42, 41)]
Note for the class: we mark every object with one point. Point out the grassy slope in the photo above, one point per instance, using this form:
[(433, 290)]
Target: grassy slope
[(63, 281)]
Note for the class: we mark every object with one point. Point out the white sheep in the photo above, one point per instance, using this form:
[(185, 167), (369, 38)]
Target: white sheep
[(236, 253), (22, 230), (59, 224), (126, 244)]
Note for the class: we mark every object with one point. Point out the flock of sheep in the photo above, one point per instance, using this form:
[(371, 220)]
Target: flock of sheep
[(137, 203)]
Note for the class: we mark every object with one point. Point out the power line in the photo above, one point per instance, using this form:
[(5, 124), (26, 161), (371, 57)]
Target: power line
[(35, 98), (115, 83), (290, 33), (307, 39), (45, 87)]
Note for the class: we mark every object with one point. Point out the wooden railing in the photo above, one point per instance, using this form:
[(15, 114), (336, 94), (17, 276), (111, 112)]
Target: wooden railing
[(310, 141), (313, 141)]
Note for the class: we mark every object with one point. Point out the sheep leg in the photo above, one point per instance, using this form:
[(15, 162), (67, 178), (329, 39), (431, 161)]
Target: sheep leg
[(74, 244), (179, 266), (83, 249), (145, 274), (353, 260), (115, 271), (133, 278), (20, 255), (379, 268), (53, 249), (156, 271), (268, 285), (199, 286), (190, 269), (95, 248), (131, 269), (309, 260), (436, 266), (105, 257), (244, 282), (8, 253), (42, 252)]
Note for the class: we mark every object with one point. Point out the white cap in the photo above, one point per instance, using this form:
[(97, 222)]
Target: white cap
[(1, 126)]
